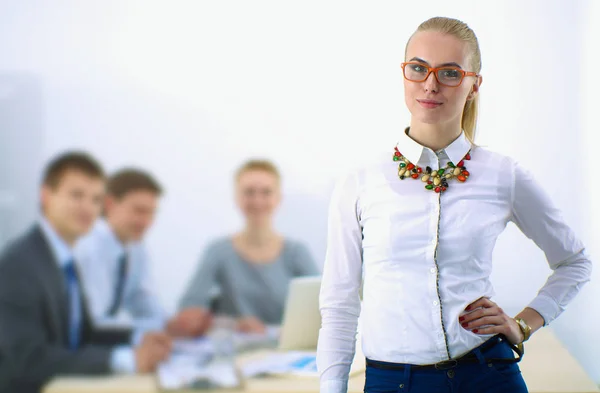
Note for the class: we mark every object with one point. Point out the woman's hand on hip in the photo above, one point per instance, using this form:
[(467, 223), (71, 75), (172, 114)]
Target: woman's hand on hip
[(486, 317)]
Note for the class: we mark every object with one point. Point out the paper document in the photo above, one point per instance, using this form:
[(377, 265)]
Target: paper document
[(299, 364), (195, 362), (282, 363), (178, 375)]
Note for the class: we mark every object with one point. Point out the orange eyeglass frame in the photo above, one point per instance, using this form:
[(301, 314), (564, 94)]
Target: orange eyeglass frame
[(435, 70)]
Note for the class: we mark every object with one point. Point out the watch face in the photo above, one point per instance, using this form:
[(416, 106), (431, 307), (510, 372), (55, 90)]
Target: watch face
[(525, 329), (523, 326)]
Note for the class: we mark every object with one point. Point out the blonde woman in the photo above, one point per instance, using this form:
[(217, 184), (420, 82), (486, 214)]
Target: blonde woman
[(251, 269), (422, 224)]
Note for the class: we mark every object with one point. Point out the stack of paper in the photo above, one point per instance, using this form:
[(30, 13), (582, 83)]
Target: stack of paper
[(196, 363), (298, 363), (182, 374), (249, 341)]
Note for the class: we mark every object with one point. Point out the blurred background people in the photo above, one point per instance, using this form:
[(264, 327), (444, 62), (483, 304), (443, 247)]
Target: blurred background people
[(45, 325), (115, 265), (246, 275)]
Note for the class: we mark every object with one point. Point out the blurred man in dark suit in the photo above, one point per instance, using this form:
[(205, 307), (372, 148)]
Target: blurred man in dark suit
[(45, 327)]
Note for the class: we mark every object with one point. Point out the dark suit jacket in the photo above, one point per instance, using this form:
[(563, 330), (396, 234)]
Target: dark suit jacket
[(34, 320), (5, 373)]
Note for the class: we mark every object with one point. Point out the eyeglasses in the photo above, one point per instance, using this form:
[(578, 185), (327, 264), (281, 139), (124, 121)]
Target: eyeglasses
[(447, 76)]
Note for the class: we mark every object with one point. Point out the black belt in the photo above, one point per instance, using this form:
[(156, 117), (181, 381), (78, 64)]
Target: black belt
[(468, 358)]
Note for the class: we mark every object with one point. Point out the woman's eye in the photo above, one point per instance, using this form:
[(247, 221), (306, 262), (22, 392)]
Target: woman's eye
[(418, 68), (450, 74)]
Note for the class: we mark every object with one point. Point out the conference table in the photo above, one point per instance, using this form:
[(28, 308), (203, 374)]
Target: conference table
[(547, 368)]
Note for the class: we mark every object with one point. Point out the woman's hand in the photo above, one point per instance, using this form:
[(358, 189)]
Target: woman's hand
[(251, 325), (191, 322), (489, 318)]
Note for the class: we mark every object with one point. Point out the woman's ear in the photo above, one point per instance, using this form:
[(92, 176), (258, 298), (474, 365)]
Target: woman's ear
[(475, 88)]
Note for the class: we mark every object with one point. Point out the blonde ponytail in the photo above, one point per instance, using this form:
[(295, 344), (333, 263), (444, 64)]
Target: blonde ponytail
[(469, 118)]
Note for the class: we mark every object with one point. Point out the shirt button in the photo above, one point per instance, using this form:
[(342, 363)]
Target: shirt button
[(435, 303), (432, 270)]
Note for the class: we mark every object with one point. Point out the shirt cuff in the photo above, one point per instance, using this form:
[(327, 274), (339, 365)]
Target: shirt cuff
[(122, 360), (334, 386), (136, 337), (546, 307), (144, 326)]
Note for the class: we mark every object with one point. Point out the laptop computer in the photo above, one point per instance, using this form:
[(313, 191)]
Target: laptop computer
[(301, 318), (300, 329)]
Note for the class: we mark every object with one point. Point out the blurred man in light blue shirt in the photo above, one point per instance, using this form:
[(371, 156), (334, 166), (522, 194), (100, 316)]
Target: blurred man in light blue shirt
[(114, 263)]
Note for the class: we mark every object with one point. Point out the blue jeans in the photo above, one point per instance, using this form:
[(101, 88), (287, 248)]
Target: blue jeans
[(481, 377)]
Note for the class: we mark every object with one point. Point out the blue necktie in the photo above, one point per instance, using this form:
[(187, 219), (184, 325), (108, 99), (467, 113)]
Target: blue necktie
[(120, 286), (74, 305)]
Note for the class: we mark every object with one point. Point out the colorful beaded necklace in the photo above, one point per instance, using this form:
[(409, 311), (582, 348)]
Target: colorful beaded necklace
[(435, 180)]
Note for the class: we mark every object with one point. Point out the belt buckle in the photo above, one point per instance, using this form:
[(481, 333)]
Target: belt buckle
[(446, 364)]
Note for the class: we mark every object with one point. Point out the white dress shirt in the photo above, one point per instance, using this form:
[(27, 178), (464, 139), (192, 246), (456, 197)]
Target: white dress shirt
[(424, 256), (98, 254)]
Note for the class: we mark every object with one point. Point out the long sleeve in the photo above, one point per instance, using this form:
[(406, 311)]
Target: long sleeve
[(25, 338), (122, 360), (339, 297), (142, 301), (110, 336), (537, 217), (201, 286), (5, 370), (304, 264)]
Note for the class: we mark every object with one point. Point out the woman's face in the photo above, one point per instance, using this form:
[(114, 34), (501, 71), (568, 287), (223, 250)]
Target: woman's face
[(258, 196), (430, 102)]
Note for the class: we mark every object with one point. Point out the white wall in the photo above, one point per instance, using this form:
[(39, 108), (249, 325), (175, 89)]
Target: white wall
[(189, 89), (581, 323)]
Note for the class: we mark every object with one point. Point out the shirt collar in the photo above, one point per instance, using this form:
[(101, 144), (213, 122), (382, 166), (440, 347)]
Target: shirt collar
[(424, 156), (63, 253), (105, 230)]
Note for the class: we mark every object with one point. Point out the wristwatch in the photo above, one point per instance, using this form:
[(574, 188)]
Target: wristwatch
[(525, 328)]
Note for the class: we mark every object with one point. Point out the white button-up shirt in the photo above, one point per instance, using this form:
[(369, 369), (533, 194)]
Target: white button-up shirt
[(98, 254), (424, 256)]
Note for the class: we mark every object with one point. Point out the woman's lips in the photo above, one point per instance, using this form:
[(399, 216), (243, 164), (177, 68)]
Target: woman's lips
[(429, 104)]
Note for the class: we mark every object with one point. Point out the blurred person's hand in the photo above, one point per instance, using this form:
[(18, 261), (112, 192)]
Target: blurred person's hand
[(154, 348), (191, 322), (251, 325)]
